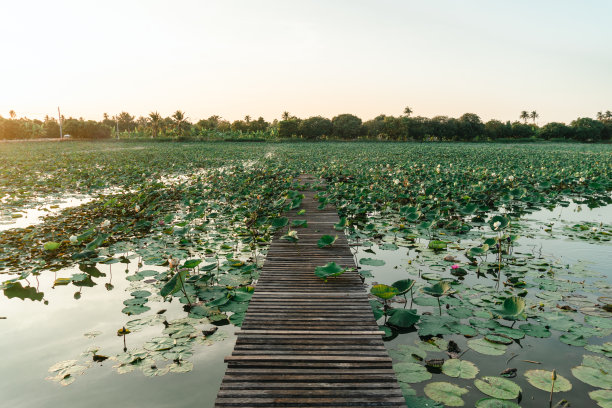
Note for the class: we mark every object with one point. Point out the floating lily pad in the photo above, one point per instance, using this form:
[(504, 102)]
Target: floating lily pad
[(446, 393), (483, 346), (602, 397), (459, 368), (535, 330), (371, 262), (498, 387), (411, 372), (542, 380), (496, 403)]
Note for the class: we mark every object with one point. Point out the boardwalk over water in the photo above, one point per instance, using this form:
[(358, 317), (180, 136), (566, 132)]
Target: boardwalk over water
[(304, 342)]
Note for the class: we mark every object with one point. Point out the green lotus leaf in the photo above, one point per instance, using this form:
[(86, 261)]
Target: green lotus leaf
[(573, 339), (408, 353), (437, 245), (384, 292), (175, 283), (341, 225), (403, 285), (280, 222), (515, 334), (602, 397), (326, 241), (483, 346), (498, 387), (496, 403), (535, 330), (459, 368), (421, 402), (411, 372), (593, 376), (598, 321), (439, 289), (605, 349), (478, 251), (51, 246), (496, 338), (460, 312), (402, 318), (371, 262), (330, 270), (446, 393), (299, 223), (498, 223), (542, 380), (512, 308), (192, 263)]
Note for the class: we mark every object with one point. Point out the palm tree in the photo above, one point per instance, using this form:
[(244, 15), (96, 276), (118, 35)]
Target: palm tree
[(534, 115), (179, 118), (286, 115), (247, 119), (12, 114), (608, 115), (600, 116), (155, 119), (407, 111), (524, 116)]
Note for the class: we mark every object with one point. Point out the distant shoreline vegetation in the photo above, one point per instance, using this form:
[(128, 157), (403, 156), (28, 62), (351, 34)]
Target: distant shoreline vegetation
[(469, 128)]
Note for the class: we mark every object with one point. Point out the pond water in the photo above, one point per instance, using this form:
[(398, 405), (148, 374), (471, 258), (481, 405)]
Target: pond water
[(43, 324), (549, 239), (49, 325), (35, 212)]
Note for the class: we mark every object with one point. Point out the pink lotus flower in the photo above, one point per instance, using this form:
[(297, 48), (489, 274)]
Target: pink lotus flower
[(455, 266)]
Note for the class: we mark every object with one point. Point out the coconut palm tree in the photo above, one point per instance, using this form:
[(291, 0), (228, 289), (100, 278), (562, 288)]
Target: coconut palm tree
[(407, 111), (534, 115), (179, 119), (247, 119), (600, 116), (524, 116), (155, 119), (12, 114), (286, 115)]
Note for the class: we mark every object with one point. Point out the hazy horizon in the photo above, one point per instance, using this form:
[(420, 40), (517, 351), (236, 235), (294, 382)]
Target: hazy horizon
[(237, 58)]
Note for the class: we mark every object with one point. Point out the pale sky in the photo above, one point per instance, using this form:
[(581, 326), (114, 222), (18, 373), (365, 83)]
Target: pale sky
[(233, 58)]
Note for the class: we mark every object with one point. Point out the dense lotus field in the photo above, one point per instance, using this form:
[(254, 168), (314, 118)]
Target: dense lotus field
[(468, 280)]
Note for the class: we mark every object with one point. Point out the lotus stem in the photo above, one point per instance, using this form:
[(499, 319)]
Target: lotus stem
[(552, 387), (439, 306)]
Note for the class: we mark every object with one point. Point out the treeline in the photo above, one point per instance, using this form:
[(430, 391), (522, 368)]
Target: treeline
[(468, 127)]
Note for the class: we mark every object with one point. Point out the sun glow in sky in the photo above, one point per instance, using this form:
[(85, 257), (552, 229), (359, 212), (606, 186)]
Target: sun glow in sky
[(233, 58)]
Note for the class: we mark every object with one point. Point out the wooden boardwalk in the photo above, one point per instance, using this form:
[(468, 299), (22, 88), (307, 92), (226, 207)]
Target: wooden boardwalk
[(304, 342)]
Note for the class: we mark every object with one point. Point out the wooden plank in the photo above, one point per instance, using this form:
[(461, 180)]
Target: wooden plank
[(305, 342)]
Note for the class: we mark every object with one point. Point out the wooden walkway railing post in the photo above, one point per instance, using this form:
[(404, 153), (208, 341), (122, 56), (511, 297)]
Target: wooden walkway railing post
[(305, 342)]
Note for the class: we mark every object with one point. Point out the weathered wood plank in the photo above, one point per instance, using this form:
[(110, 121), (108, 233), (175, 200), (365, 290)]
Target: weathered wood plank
[(305, 342)]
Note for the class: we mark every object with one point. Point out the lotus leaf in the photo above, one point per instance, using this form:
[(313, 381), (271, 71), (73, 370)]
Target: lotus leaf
[(371, 262), (402, 318), (542, 380), (411, 372), (384, 292), (498, 387), (602, 397), (483, 346), (496, 403), (459, 368), (446, 393)]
